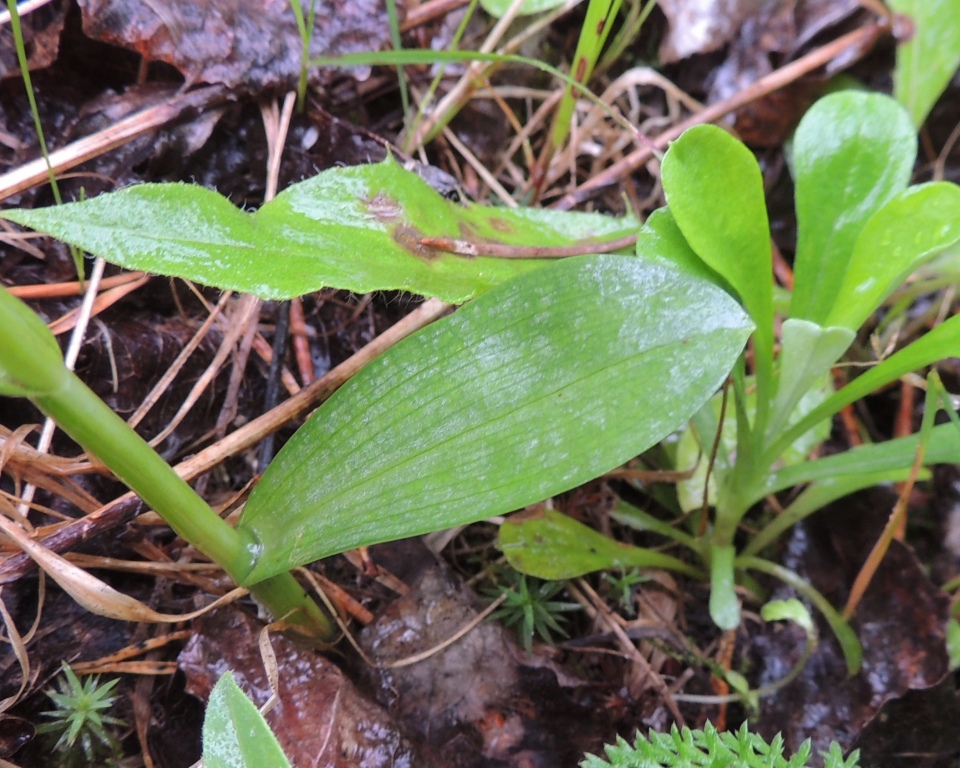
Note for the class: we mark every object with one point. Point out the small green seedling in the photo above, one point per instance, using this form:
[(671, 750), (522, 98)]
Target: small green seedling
[(531, 605), (688, 749), (85, 732)]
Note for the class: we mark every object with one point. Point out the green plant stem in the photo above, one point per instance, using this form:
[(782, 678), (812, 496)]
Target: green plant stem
[(89, 421), (849, 644)]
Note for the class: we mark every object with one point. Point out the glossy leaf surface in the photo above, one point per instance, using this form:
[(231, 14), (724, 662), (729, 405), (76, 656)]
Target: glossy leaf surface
[(550, 545), (724, 603), (538, 386), (852, 153), (30, 360), (916, 225), (926, 61), (715, 192), (235, 735), (356, 228)]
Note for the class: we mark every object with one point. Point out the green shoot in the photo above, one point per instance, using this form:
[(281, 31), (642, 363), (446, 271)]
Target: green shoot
[(31, 97), (397, 43), (529, 605), (80, 721), (17, 30), (596, 28), (305, 28), (621, 587)]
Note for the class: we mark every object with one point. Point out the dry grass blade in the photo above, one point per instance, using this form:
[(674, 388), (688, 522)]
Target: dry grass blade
[(35, 172)]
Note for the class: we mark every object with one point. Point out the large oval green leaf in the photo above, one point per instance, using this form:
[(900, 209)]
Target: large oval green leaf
[(852, 153), (540, 385), (356, 228)]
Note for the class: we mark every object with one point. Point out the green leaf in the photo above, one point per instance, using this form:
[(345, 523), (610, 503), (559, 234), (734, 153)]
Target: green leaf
[(661, 239), (356, 228), (888, 456), (498, 8), (941, 342), (30, 359), (852, 153), (715, 191), (817, 495), (849, 643), (926, 61), (549, 545), (235, 735), (724, 603), (789, 610), (953, 644), (538, 386), (806, 353), (912, 228)]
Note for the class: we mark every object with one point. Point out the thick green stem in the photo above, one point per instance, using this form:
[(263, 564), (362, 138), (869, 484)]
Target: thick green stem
[(31, 366), (88, 420)]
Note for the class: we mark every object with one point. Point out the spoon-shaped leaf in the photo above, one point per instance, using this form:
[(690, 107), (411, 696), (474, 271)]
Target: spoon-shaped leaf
[(541, 384), (357, 228), (912, 228), (714, 190), (550, 545), (852, 153)]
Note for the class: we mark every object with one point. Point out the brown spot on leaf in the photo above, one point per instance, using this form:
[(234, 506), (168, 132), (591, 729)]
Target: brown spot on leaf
[(383, 208), (410, 239), (501, 225)]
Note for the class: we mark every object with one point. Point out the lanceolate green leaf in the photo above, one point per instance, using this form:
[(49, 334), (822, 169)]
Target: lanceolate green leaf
[(852, 153), (357, 228), (913, 227), (539, 385), (926, 61), (235, 735)]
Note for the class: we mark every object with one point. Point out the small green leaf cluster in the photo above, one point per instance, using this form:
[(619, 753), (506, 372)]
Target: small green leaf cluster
[(80, 722), (687, 749), (529, 605)]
